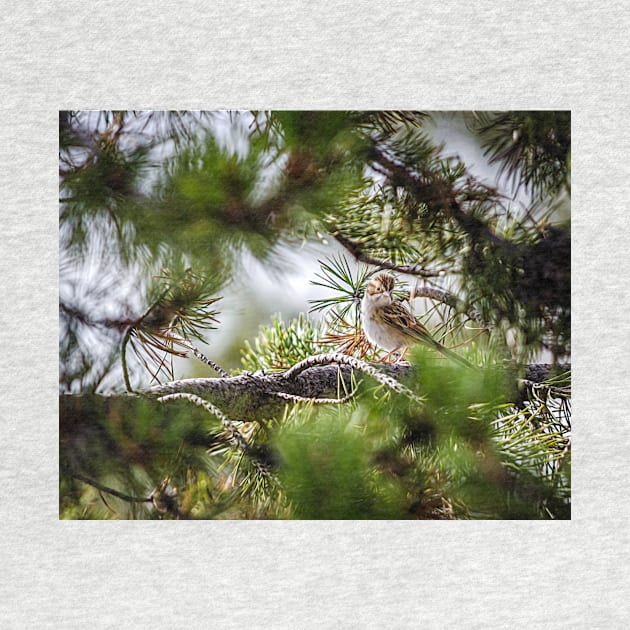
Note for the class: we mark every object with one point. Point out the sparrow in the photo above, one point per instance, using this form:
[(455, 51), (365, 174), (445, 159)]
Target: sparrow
[(389, 325)]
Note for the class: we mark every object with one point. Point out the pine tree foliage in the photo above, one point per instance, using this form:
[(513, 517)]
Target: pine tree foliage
[(157, 210)]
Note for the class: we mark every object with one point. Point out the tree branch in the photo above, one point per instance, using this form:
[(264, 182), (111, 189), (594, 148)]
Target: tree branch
[(257, 396), (261, 396), (361, 256), (114, 493), (437, 197)]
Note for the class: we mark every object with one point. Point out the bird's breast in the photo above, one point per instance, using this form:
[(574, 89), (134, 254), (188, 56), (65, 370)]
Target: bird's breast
[(380, 333)]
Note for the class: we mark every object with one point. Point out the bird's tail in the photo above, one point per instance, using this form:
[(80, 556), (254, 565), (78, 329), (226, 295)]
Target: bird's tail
[(452, 355)]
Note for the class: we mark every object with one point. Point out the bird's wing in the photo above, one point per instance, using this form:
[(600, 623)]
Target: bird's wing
[(398, 316)]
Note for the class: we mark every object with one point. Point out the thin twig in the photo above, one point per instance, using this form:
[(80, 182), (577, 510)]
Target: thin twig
[(115, 493), (201, 356), (215, 366), (197, 353), (123, 355)]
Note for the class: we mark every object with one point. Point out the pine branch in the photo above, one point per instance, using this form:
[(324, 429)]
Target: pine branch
[(437, 198), (361, 256), (357, 364), (259, 396)]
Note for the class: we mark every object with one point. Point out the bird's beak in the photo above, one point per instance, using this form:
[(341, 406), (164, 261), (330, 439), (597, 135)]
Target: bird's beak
[(388, 294)]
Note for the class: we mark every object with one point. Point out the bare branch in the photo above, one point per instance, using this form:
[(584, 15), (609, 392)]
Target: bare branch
[(204, 359), (200, 355), (115, 493), (250, 397)]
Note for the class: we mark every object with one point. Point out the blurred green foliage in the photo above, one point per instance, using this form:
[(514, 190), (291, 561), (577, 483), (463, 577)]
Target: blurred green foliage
[(327, 472)]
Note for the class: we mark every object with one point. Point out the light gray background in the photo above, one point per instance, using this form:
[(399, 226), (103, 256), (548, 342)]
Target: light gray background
[(426, 55)]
